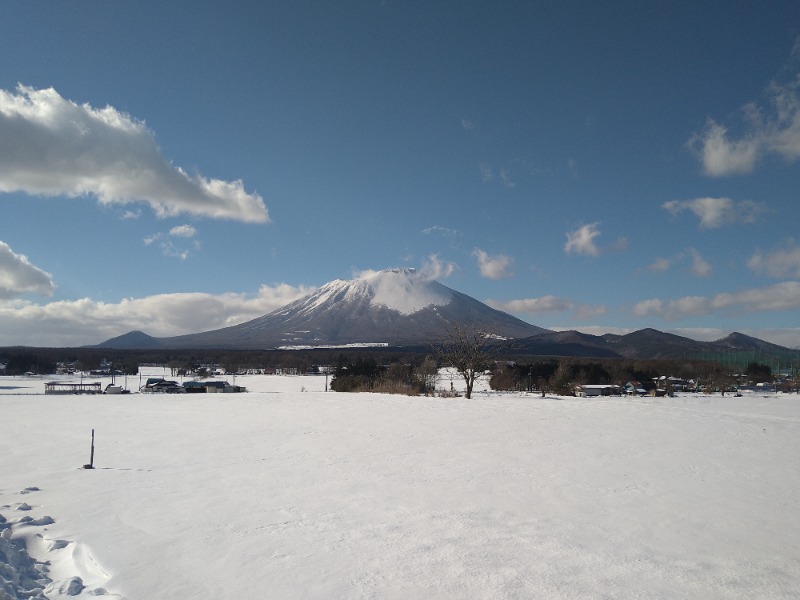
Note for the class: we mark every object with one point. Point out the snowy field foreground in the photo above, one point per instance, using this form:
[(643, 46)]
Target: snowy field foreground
[(291, 492)]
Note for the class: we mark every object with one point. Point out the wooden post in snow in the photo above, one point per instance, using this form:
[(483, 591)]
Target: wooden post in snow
[(91, 456)]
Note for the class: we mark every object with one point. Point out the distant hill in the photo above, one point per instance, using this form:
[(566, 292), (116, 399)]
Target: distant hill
[(131, 340), (401, 308), (565, 343), (394, 307)]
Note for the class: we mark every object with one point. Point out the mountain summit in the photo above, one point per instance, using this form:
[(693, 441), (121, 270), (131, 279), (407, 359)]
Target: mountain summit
[(393, 307)]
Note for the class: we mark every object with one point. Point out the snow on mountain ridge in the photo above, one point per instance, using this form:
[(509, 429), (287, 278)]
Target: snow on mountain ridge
[(403, 290)]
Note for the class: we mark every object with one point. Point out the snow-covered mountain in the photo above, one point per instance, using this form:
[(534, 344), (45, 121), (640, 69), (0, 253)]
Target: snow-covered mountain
[(394, 307)]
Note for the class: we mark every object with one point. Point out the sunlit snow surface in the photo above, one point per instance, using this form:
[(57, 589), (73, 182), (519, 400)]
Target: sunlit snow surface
[(291, 492)]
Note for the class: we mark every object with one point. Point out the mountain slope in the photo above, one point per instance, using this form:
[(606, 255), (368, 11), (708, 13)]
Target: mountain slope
[(394, 307)]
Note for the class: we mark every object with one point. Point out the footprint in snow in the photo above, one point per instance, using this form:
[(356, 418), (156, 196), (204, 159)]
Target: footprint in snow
[(40, 522)]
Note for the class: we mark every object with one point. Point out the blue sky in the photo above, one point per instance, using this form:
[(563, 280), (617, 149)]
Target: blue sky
[(180, 166)]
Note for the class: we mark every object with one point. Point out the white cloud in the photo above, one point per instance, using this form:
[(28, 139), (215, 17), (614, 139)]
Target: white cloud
[(547, 304), (717, 212), (434, 268), (18, 276), (84, 321), (467, 125), (779, 297), (721, 156), (184, 231), (52, 146), (700, 267), (659, 265), (486, 172), (533, 306), (175, 248), (496, 266), (581, 241), (784, 262), (772, 130)]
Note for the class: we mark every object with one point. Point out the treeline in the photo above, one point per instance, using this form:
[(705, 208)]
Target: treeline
[(43, 361), (390, 370), (367, 375), (553, 375)]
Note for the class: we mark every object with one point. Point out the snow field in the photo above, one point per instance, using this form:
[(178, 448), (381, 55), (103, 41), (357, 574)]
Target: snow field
[(291, 492)]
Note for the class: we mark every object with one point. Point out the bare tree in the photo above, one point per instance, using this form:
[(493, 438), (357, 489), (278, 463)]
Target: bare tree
[(468, 351)]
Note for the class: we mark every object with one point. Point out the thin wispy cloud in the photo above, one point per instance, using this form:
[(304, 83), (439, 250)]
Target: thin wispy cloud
[(497, 266), (659, 265), (172, 247), (700, 266), (545, 305), (467, 125), (582, 240), (533, 306), (64, 323), (717, 212), (439, 230), (771, 130), (487, 174), (779, 297), (505, 177), (572, 165), (433, 268), (19, 276), (782, 262), (52, 146)]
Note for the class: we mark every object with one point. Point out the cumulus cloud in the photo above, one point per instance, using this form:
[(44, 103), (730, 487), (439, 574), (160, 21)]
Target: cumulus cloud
[(547, 304), (779, 297), (52, 146), (771, 130), (496, 266), (783, 262), (19, 276), (717, 212), (581, 241), (85, 321)]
